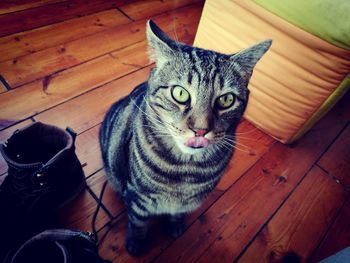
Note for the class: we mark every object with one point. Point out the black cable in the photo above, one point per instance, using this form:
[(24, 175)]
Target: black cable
[(4, 82), (94, 217)]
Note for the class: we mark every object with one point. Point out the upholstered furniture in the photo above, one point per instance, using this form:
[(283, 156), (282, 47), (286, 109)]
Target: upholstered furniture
[(307, 69)]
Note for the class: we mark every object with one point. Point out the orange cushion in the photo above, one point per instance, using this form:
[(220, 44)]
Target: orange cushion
[(293, 79)]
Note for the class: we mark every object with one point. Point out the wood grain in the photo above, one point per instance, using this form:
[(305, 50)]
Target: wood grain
[(2, 88), (4, 135), (28, 42), (68, 61), (49, 61), (113, 246), (252, 144), (83, 115), (232, 222), (110, 199), (88, 110), (336, 159), (146, 9), (88, 150), (65, 85), (305, 216), (50, 91), (10, 6), (78, 214), (49, 14), (338, 236)]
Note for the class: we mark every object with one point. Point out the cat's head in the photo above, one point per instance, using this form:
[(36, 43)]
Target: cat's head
[(199, 95)]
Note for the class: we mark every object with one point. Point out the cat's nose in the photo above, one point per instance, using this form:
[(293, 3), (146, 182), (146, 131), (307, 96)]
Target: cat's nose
[(200, 132)]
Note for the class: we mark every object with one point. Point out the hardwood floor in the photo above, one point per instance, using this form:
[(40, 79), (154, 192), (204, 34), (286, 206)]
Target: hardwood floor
[(66, 62)]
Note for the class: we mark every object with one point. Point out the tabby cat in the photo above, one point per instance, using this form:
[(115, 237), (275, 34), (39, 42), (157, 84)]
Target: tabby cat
[(166, 145)]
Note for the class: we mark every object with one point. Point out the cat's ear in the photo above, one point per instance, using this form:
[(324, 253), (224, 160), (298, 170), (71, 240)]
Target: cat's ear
[(161, 47), (248, 58)]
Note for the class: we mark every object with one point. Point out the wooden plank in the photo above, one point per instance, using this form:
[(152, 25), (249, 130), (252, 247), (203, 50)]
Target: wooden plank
[(113, 246), (65, 85), (110, 199), (80, 119), (338, 236), (2, 88), (252, 144), (88, 110), (78, 214), (45, 62), (115, 205), (4, 135), (88, 150), (141, 9), (336, 159), (72, 114), (300, 223), (10, 6), (49, 14), (28, 42), (243, 210)]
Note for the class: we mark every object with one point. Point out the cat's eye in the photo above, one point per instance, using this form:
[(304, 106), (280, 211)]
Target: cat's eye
[(225, 101), (180, 94)]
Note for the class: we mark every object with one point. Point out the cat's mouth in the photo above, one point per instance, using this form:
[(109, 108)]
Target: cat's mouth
[(197, 142)]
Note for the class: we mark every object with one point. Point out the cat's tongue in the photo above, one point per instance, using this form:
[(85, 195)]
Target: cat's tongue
[(197, 142)]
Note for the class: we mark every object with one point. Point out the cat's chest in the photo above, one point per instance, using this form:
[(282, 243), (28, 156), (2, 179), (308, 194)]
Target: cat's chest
[(174, 203)]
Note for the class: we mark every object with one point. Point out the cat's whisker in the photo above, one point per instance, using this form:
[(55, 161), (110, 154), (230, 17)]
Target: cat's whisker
[(246, 139), (230, 139), (150, 107), (158, 132), (250, 131), (234, 146), (239, 149), (222, 145), (144, 137), (155, 130), (175, 33), (238, 143), (147, 115), (241, 137), (150, 118), (149, 125), (152, 128), (162, 135), (165, 123), (158, 124), (166, 136), (238, 146)]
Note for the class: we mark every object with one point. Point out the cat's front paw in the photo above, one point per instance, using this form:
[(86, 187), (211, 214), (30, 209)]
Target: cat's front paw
[(175, 229), (135, 247)]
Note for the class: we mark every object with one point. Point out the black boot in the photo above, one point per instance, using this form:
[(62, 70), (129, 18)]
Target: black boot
[(44, 174), (58, 246)]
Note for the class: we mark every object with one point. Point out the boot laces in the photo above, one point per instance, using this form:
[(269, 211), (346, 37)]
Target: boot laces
[(24, 192), (94, 217)]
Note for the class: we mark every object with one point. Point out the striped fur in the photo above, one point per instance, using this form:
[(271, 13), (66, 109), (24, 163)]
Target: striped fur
[(143, 135)]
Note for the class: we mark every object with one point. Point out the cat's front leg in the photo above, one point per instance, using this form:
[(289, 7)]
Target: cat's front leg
[(137, 233), (175, 225)]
